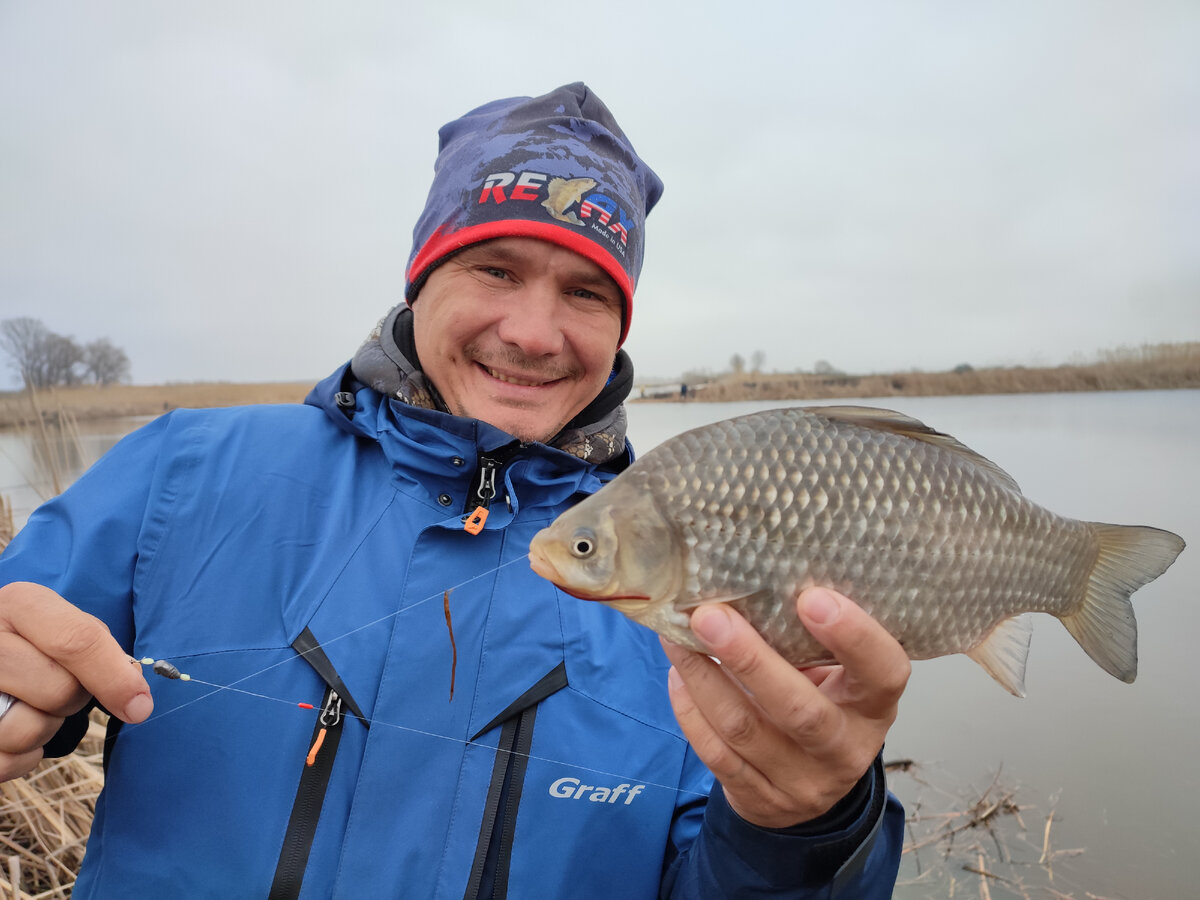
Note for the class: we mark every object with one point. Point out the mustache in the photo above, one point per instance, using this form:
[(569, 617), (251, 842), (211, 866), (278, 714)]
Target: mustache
[(514, 361)]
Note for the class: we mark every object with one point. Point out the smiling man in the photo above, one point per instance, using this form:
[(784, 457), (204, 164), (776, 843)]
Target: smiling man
[(478, 734)]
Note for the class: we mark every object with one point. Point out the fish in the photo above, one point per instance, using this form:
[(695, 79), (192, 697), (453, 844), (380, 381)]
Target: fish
[(935, 541), (563, 194)]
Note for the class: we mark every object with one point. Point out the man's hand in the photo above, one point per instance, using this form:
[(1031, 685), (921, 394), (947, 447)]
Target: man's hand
[(53, 658), (788, 744)]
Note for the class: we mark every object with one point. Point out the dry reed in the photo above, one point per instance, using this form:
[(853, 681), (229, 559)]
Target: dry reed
[(45, 818), (117, 401), (956, 844), (7, 529), (1157, 367)]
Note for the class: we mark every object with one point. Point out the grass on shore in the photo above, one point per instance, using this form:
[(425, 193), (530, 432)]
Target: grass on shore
[(1158, 367), (117, 401)]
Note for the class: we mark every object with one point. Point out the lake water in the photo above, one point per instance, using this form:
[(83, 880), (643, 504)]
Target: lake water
[(1115, 765), (28, 470)]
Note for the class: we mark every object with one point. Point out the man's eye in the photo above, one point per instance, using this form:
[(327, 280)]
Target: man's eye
[(593, 297), (494, 272)]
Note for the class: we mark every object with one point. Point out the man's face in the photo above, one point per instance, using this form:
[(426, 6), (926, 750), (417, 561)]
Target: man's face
[(518, 332)]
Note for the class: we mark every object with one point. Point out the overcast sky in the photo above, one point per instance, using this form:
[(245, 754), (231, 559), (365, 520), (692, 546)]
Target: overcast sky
[(226, 190)]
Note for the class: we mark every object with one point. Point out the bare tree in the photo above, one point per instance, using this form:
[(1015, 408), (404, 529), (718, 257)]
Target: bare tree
[(20, 339), (737, 363), (105, 363), (757, 360), (41, 357), (63, 361)]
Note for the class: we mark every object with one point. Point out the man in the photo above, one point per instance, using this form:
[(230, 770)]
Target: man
[(472, 732)]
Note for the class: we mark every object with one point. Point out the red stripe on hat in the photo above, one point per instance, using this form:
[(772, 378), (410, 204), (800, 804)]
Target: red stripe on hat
[(442, 243)]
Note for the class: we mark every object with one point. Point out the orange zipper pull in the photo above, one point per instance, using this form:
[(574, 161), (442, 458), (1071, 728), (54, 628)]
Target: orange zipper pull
[(474, 522), (331, 714), (312, 754)]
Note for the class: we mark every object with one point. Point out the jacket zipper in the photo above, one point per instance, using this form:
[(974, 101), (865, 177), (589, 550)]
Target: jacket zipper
[(330, 717), (480, 500), (493, 852), (310, 796)]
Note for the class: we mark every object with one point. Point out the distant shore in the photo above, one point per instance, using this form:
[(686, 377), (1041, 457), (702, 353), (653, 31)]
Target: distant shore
[(117, 401), (1164, 367), (1156, 370)]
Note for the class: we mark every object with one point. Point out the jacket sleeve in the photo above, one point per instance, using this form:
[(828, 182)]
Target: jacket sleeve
[(851, 852)]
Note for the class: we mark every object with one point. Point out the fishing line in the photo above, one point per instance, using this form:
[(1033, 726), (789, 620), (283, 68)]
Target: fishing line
[(333, 640), (440, 737), (218, 688)]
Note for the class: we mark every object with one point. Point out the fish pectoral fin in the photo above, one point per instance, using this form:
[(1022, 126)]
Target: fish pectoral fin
[(738, 600), (1003, 653)]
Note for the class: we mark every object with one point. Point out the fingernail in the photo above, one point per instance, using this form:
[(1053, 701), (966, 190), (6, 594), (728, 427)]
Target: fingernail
[(711, 624), (674, 679), (138, 708), (819, 606)]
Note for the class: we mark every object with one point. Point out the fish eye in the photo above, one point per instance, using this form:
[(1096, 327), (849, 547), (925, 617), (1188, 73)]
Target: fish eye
[(583, 544)]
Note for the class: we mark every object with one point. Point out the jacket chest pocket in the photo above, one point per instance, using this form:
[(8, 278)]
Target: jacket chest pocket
[(577, 786)]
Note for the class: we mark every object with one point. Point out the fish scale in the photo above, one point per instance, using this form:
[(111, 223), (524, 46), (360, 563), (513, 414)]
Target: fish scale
[(933, 540)]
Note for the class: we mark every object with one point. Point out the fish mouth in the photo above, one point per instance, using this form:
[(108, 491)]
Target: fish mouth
[(542, 566), (633, 601)]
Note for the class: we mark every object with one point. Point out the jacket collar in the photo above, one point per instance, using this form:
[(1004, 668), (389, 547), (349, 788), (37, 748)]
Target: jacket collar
[(388, 363)]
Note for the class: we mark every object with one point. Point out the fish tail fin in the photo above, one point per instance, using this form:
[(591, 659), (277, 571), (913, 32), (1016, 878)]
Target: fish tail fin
[(1129, 557)]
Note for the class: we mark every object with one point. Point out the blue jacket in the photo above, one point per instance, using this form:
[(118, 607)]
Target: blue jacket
[(480, 734)]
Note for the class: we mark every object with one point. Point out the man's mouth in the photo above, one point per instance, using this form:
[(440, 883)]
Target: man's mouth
[(515, 379)]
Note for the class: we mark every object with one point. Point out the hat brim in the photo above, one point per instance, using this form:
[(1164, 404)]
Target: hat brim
[(443, 244)]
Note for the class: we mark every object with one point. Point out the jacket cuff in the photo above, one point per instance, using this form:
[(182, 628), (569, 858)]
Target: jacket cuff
[(69, 734), (829, 850)]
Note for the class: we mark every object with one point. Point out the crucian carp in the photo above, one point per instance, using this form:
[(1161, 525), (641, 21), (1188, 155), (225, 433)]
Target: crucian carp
[(936, 542)]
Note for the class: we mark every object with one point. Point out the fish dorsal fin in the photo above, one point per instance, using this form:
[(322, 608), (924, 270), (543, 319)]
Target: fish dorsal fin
[(1003, 652), (906, 426)]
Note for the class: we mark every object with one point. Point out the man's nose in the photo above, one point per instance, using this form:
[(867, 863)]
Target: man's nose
[(532, 320)]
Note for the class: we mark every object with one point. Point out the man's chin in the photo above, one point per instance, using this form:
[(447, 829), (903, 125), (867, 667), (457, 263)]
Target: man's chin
[(528, 425)]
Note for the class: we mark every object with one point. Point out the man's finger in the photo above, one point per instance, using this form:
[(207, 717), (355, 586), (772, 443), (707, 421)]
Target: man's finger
[(37, 679), (81, 644), (18, 765), (24, 729), (708, 745), (875, 666), (727, 754), (716, 712), (789, 697)]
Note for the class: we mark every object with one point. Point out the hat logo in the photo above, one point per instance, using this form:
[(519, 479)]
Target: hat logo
[(604, 209), (559, 197)]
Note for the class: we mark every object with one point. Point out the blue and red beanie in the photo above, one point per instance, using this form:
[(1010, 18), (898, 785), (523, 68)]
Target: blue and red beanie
[(555, 167)]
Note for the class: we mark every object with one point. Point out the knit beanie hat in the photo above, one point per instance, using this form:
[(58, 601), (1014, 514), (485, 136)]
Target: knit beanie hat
[(555, 167)]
